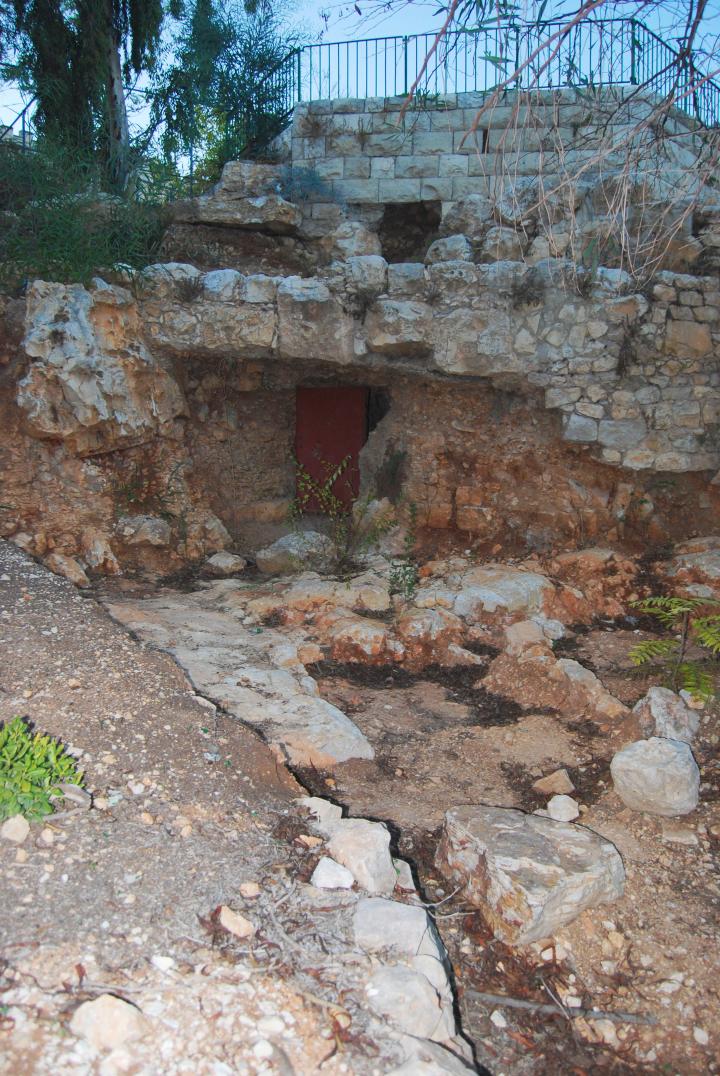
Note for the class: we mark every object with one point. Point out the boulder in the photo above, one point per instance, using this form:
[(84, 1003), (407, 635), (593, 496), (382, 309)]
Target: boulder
[(470, 217), (15, 829), (523, 635), (67, 567), (663, 713), (586, 682), (364, 848), (293, 552), (311, 321), (143, 530), (246, 197), (409, 1001), (403, 929), (224, 564), (529, 875), (500, 587), (428, 634), (351, 239), (501, 245), (92, 384), (657, 776)]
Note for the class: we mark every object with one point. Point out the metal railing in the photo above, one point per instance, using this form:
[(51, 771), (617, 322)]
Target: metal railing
[(594, 54)]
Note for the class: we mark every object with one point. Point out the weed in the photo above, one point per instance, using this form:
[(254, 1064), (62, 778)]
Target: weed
[(404, 573), (313, 125), (189, 288), (527, 289), (352, 530), (670, 656), (32, 766), (303, 185)]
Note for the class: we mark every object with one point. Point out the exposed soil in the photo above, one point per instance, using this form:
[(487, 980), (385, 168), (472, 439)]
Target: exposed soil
[(194, 804), (188, 806)]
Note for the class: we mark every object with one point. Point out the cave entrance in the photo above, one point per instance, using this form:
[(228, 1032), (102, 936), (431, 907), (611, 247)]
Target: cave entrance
[(406, 230), (332, 423)]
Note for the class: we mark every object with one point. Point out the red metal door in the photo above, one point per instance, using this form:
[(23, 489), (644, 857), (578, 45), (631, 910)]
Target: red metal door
[(331, 424)]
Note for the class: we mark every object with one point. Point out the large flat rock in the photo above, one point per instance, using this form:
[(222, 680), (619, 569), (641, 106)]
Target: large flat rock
[(237, 669), (528, 874)]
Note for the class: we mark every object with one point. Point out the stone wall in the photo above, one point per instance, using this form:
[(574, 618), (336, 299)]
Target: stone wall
[(634, 376), (363, 154)]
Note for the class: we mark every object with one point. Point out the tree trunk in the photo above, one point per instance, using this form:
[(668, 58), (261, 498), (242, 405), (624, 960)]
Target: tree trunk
[(118, 129)]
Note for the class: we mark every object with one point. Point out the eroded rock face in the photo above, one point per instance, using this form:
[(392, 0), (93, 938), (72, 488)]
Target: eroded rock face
[(92, 385), (293, 552), (530, 875)]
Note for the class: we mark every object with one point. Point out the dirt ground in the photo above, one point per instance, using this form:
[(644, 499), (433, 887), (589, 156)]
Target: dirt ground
[(190, 804), (442, 741)]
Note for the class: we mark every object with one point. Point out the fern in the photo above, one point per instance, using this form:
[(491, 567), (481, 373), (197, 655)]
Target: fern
[(670, 656)]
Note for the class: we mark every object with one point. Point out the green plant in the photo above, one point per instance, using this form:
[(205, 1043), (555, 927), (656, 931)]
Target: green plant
[(354, 528), (59, 224), (404, 574), (692, 626), (32, 766)]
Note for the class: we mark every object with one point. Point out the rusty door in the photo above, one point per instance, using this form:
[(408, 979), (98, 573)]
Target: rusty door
[(331, 424)]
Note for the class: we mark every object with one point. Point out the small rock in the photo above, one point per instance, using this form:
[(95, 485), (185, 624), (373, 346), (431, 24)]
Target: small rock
[(235, 923), (331, 875), (76, 794), (47, 837), (74, 684), (498, 1019), (263, 1049), (224, 564), (68, 567), (663, 713), (557, 783), (563, 808), (701, 1036), (364, 848), (308, 841), (657, 776), (405, 880), (15, 829), (249, 890), (676, 834), (327, 814), (108, 1022)]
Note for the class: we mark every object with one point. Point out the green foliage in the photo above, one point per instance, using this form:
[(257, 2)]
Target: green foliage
[(224, 93), (684, 618), (59, 225), (352, 531), (32, 765)]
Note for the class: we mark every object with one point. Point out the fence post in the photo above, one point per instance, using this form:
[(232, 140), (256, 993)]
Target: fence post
[(299, 74), (633, 53), (405, 65)]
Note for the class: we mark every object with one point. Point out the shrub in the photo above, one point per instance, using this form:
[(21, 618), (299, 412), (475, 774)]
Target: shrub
[(682, 616), (32, 765), (59, 224)]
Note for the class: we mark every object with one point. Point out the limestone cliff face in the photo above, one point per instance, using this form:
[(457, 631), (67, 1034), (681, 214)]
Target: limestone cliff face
[(92, 383), (150, 421)]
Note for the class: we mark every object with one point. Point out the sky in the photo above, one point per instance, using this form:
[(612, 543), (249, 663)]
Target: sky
[(339, 20)]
